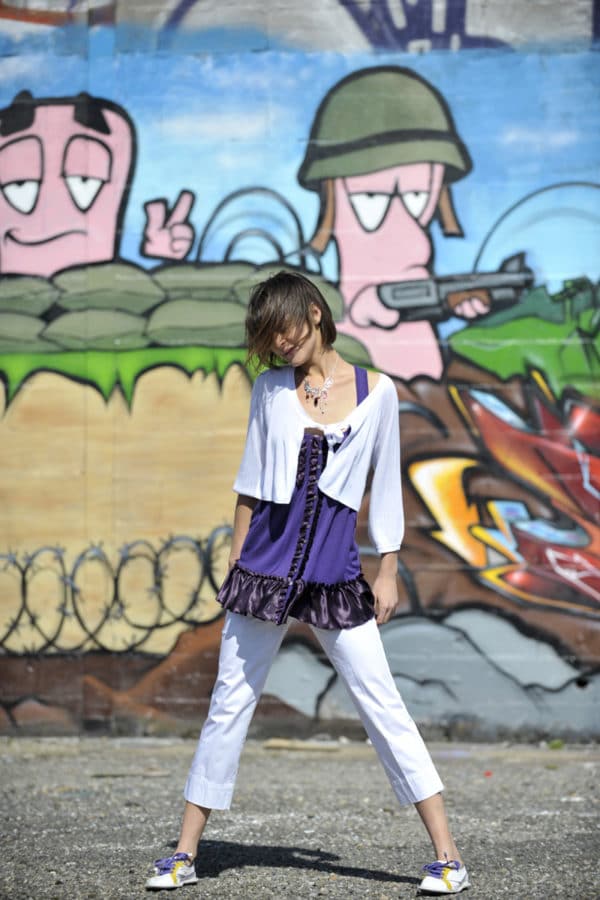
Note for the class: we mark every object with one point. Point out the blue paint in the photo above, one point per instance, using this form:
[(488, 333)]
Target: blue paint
[(523, 128)]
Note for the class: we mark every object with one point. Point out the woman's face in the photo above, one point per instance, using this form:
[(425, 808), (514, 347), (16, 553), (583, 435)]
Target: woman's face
[(297, 346)]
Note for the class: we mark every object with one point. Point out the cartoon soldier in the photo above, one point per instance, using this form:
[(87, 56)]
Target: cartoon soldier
[(383, 152), (66, 164)]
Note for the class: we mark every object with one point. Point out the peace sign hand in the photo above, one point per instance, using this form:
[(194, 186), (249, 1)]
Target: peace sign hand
[(168, 235)]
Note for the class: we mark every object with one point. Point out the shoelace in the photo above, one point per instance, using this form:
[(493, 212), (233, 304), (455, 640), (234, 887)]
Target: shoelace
[(165, 864), (436, 868)]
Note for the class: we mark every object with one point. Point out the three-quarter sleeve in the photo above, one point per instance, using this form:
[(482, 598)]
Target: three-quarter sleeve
[(386, 510), (248, 479)]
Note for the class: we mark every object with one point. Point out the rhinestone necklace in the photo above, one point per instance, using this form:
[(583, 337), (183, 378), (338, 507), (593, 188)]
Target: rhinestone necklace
[(318, 395)]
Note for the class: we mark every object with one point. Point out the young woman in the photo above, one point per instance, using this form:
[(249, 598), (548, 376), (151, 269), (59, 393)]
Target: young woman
[(318, 426)]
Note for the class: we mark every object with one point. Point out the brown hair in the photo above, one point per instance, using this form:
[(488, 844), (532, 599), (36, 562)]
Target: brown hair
[(282, 304)]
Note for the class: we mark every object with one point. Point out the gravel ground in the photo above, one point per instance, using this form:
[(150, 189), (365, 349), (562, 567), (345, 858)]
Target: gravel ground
[(82, 818)]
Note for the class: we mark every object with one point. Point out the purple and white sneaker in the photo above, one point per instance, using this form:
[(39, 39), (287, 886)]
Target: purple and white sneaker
[(172, 872), (444, 877)]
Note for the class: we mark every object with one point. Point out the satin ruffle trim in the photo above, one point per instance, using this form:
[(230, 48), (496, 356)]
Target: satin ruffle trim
[(271, 598)]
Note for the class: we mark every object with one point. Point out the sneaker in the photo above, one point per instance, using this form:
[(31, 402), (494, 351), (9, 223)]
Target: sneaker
[(172, 872), (448, 877)]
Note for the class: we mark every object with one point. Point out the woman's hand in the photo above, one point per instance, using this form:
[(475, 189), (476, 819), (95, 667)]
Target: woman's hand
[(385, 588)]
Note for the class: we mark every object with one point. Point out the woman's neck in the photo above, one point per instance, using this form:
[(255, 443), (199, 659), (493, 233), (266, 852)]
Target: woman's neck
[(320, 365)]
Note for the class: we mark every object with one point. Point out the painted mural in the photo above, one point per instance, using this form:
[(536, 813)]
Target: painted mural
[(442, 187)]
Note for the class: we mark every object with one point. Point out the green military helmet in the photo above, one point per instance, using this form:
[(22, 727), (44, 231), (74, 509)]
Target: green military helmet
[(378, 118)]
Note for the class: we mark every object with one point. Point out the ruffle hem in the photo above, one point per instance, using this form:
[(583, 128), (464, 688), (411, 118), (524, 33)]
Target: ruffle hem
[(273, 598)]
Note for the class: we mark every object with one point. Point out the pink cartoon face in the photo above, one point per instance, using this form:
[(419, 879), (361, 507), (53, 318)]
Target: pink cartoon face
[(380, 229), (381, 222), (62, 190)]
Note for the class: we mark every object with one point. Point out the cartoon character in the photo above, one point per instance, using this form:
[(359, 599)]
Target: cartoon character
[(383, 151), (65, 168)]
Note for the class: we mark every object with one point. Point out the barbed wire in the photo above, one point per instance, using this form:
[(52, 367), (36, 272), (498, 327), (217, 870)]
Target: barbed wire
[(65, 615), (98, 603)]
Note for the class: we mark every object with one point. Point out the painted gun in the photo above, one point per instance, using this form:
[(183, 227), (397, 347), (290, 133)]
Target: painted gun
[(436, 298)]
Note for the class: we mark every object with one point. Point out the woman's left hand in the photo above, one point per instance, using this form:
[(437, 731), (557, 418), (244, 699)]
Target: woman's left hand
[(385, 591)]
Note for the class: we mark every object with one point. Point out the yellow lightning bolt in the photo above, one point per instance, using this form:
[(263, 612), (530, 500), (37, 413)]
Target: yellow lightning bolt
[(440, 484)]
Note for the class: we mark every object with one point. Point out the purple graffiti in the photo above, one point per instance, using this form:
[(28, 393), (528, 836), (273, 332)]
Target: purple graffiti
[(178, 13), (394, 24)]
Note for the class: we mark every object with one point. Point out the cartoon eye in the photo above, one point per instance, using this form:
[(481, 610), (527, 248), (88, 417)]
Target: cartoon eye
[(83, 190), (370, 209), (415, 202), (21, 195)]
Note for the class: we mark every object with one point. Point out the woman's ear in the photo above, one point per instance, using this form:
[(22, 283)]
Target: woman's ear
[(316, 315)]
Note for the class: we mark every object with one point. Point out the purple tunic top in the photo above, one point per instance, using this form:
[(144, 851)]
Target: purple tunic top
[(300, 558)]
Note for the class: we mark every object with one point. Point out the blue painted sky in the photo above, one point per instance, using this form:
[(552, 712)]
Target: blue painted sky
[(218, 123)]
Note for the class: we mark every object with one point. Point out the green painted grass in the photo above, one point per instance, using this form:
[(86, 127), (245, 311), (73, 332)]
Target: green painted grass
[(558, 335), (566, 356), (105, 370)]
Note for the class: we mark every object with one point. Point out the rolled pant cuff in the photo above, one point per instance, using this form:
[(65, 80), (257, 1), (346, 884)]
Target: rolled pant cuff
[(416, 791), (201, 792)]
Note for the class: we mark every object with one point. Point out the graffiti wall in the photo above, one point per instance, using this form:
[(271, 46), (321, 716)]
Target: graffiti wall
[(435, 168)]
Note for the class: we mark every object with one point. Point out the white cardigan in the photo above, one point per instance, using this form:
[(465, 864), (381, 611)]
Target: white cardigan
[(275, 431)]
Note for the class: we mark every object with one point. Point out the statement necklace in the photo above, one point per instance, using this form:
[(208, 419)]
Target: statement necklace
[(318, 395)]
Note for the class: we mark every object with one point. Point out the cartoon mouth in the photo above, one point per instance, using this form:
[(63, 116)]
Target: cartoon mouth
[(10, 236)]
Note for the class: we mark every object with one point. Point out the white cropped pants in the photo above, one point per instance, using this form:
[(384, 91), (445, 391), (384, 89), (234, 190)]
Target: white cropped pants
[(248, 647)]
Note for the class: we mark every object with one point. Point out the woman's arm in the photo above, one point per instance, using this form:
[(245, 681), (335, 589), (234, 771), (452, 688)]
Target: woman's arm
[(249, 477), (241, 523), (385, 587), (386, 512)]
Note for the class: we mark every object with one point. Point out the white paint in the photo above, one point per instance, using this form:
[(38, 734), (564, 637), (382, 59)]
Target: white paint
[(318, 24), (58, 6), (396, 8), (148, 12), (438, 16), (516, 22), (326, 25)]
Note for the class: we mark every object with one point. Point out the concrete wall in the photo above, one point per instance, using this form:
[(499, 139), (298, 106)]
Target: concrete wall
[(156, 159)]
